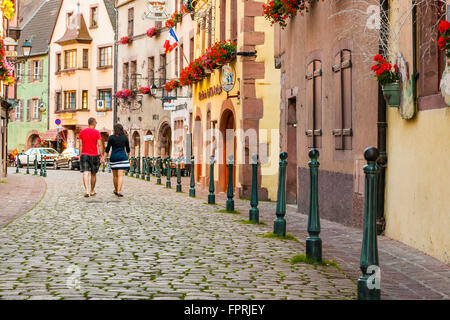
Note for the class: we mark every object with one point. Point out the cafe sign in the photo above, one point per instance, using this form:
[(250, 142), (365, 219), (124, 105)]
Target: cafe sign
[(211, 92)]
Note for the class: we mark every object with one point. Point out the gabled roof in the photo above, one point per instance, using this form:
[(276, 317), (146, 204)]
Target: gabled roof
[(40, 26), (109, 4), (78, 33)]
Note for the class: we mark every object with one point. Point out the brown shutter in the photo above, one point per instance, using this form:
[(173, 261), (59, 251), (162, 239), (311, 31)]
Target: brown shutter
[(347, 99), (337, 102), (317, 104), (28, 110), (223, 19), (39, 113), (22, 110), (30, 71), (40, 69), (234, 20), (310, 105)]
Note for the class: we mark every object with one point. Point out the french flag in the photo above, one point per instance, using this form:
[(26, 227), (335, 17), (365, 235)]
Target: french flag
[(171, 42)]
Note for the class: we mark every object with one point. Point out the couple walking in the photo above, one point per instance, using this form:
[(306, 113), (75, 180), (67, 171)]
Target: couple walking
[(92, 156)]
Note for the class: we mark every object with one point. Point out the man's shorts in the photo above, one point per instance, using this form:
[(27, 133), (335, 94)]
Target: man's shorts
[(89, 163)]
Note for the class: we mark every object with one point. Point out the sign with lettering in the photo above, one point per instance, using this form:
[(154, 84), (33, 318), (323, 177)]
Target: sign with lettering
[(208, 93), (169, 106)]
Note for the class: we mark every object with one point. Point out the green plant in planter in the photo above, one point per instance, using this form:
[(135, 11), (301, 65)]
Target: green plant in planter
[(388, 77)]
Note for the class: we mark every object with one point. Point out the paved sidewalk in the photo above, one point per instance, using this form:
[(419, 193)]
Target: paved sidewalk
[(151, 244), (19, 193), (406, 273)]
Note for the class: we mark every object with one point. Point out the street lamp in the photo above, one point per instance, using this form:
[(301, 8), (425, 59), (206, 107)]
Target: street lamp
[(153, 90), (26, 48)]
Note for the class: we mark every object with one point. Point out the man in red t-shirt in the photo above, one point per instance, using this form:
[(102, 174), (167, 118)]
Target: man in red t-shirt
[(91, 149)]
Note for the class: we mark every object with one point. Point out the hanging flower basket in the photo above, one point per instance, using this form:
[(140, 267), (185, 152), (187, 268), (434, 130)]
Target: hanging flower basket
[(126, 40), (144, 90), (6, 70), (388, 77), (153, 32), (392, 94)]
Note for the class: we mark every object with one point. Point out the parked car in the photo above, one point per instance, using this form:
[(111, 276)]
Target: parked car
[(69, 158), (38, 153)]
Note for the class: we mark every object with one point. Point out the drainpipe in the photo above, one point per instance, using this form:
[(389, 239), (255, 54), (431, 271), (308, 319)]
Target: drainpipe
[(48, 86), (382, 127), (116, 59)]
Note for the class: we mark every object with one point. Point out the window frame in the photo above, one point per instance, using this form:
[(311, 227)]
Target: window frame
[(70, 56), (105, 56), (68, 101), (101, 96), (84, 100), (94, 22)]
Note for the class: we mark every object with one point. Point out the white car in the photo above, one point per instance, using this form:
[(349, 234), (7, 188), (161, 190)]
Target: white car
[(39, 154)]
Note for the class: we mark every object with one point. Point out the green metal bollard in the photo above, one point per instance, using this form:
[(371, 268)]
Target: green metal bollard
[(168, 174), (211, 195), (158, 171), (109, 166), (41, 167), (144, 168), (104, 166), (254, 211), (179, 188), (230, 195), (192, 184), (45, 167), (28, 164), (313, 242), (17, 163), (133, 163), (369, 263), (279, 226), (138, 166), (35, 166), (149, 169)]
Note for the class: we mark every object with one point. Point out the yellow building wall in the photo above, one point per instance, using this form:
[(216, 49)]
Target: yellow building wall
[(417, 195), (418, 186)]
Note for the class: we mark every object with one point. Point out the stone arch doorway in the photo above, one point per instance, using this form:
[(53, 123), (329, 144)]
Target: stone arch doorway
[(148, 145), (198, 147), (165, 140), (32, 141), (228, 133), (136, 143)]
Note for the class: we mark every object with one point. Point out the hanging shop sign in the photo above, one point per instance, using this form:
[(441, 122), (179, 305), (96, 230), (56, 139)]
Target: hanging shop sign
[(228, 78), (156, 10), (211, 92), (148, 138), (169, 106)]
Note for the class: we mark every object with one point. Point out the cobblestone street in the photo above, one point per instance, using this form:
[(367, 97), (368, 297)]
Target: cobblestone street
[(151, 244)]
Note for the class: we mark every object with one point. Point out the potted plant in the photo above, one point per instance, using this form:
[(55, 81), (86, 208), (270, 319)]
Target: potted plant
[(126, 40), (153, 32), (278, 11), (388, 77), (144, 90), (6, 70)]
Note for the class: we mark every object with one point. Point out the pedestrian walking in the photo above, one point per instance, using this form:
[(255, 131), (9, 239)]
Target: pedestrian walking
[(90, 160), (118, 160)]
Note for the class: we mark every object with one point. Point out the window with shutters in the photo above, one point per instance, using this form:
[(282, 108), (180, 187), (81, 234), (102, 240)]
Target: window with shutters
[(19, 71), (130, 22), (125, 79), (58, 62), (29, 110), (234, 20), (342, 100), (94, 17), (36, 109), (162, 70), (84, 100), (36, 70), (223, 19), (151, 71), (85, 58), (58, 101), (314, 104), (19, 110), (133, 74)]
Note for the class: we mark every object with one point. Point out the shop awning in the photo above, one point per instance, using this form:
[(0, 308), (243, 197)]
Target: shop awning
[(51, 135)]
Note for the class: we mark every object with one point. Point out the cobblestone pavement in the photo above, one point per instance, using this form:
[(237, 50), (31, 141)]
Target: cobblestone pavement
[(151, 244), (406, 273), (19, 194)]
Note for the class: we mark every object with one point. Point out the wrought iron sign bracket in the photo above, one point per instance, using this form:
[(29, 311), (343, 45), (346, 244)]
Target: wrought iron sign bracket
[(238, 95), (247, 53)]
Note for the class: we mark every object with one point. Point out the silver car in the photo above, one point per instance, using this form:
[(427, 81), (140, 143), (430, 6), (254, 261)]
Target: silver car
[(45, 154)]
